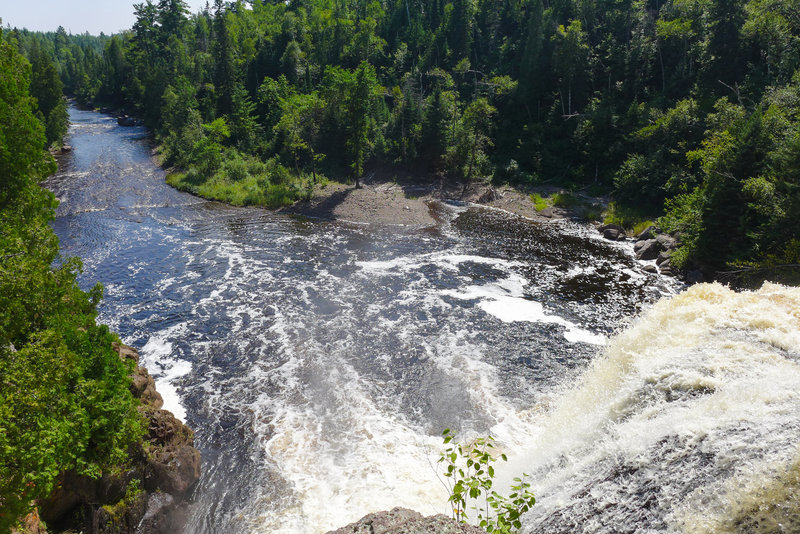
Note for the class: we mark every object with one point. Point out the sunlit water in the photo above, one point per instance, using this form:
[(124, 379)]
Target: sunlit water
[(318, 362)]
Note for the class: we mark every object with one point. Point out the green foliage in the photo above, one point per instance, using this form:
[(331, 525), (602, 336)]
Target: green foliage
[(640, 100), (659, 170), (628, 217), (476, 123), (746, 207), (564, 199), (65, 402), (641, 226), (469, 475), (245, 182), (47, 89), (539, 202)]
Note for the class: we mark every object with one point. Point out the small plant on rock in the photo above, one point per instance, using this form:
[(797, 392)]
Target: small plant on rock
[(469, 476)]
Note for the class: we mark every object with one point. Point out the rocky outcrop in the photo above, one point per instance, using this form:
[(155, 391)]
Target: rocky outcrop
[(653, 244), (648, 249), (405, 521), (490, 195), (148, 497), (126, 120), (613, 232)]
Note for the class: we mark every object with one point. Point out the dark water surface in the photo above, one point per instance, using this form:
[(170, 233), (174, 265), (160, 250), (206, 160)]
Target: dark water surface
[(318, 362)]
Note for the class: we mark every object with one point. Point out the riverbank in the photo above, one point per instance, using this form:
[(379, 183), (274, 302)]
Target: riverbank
[(386, 198)]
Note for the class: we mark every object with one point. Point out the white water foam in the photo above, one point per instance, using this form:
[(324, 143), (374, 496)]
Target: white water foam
[(505, 299), (342, 455), (330, 437), (157, 357)]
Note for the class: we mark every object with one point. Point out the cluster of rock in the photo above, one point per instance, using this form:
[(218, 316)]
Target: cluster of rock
[(405, 521), (127, 120), (489, 195), (164, 468), (60, 151), (652, 244)]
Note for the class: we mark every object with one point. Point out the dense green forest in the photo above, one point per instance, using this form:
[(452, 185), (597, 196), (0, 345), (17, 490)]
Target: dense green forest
[(64, 397), (687, 110), (683, 107)]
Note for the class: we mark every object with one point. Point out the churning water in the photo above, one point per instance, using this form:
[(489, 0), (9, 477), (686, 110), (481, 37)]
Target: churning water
[(318, 362)]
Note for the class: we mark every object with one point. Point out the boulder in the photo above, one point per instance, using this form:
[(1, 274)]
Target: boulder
[(667, 241), (126, 120), (605, 227), (72, 490), (125, 352), (490, 195), (695, 277), (663, 257), (650, 268), (613, 234), (405, 521), (548, 212), (125, 516), (649, 250), (143, 387), (647, 233), (173, 464)]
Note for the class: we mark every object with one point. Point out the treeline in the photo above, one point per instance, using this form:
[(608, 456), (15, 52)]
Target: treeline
[(65, 403), (687, 107)]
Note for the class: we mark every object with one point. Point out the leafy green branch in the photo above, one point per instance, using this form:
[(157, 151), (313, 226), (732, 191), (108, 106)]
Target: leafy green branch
[(469, 479)]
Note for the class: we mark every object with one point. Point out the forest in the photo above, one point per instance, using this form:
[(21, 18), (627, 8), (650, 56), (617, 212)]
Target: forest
[(685, 109), (64, 398)]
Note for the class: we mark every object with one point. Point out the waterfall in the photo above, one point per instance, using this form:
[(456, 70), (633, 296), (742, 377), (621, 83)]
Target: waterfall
[(688, 422)]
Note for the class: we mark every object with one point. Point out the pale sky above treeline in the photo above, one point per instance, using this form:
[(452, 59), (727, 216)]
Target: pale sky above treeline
[(77, 16)]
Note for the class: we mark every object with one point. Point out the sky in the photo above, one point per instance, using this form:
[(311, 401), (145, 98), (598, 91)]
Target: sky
[(77, 16)]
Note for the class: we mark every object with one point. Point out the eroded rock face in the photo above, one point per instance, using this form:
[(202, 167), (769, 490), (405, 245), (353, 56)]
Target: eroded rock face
[(405, 521), (649, 250), (166, 466), (173, 464)]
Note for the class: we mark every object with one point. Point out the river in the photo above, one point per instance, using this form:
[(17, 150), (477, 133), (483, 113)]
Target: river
[(318, 362)]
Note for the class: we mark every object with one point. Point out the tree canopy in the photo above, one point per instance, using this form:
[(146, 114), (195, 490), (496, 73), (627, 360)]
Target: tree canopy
[(64, 397), (619, 97)]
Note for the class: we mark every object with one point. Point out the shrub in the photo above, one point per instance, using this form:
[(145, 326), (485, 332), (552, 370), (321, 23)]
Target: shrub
[(627, 217), (539, 202), (564, 200), (470, 476), (235, 168)]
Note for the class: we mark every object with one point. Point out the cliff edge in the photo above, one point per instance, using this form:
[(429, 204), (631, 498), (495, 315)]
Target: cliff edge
[(148, 496)]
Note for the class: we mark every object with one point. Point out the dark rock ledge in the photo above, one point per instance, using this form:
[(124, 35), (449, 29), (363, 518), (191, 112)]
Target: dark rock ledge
[(405, 521), (148, 498)]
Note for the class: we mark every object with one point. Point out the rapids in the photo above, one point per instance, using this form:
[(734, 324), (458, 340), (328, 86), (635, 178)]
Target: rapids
[(318, 362)]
